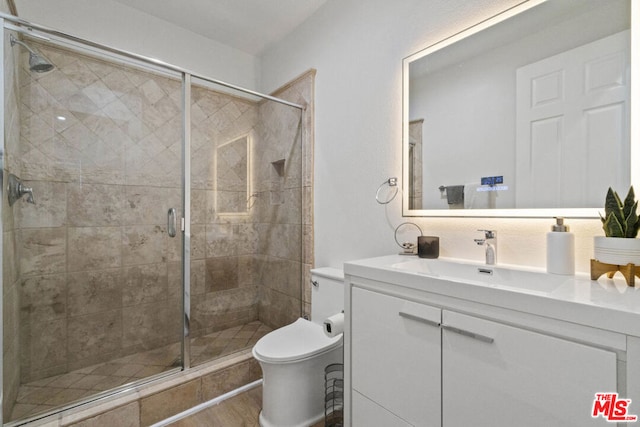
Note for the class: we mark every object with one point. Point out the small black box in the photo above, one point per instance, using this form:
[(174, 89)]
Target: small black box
[(428, 247)]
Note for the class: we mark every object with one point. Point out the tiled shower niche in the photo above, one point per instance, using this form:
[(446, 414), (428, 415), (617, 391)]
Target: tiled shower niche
[(94, 280)]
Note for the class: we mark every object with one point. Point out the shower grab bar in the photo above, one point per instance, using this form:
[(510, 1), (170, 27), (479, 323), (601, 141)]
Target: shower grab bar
[(171, 222)]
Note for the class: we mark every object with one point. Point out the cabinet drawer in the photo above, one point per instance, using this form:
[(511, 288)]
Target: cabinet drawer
[(396, 355)]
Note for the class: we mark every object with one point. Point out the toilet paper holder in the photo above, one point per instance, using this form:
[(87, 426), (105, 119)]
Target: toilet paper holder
[(334, 325)]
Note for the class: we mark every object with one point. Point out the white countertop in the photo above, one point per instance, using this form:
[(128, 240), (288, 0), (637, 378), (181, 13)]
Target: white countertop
[(607, 304)]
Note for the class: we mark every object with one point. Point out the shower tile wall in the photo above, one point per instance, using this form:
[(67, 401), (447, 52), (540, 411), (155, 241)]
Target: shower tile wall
[(96, 276), (284, 204), (100, 144), (224, 293), (10, 271)]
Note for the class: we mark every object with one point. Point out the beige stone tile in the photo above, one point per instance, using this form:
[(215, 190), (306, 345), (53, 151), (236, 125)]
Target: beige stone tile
[(144, 284), (144, 244), (106, 369), (22, 410), (307, 241), (44, 298), (112, 382), (45, 345), (43, 251), (145, 205), (218, 383), (198, 206), (221, 273), (129, 370), (79, 73), (246, 270), (88, 382), (94, 248), (123, 416), (95, 291), (281, 240), (198, 277), (224, 308), (167, 403), (145, 325), (247, 238), (50, 209), (94, 336), (66, 380), (174, 279), (10, 261), (281, 275), (220, 240), (99, 93), (198, 241), (92, 205), (36, 395), (276, 309), (66, 396)]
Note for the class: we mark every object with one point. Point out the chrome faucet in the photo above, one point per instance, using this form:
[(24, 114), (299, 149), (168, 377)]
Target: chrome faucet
[(490, 242)]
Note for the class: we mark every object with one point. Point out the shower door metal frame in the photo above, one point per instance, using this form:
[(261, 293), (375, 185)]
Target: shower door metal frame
[(19, 25)]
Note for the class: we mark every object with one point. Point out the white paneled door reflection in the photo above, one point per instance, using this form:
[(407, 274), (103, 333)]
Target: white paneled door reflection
[(572, 125)]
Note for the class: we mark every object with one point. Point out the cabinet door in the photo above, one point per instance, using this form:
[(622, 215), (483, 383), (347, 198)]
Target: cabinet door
[(497, 375), (367, 413), (396, 356)]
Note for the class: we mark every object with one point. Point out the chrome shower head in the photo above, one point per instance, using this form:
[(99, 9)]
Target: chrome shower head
[(37, 61)]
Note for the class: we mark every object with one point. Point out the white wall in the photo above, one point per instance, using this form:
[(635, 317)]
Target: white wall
[(357, 47), (116, 25)]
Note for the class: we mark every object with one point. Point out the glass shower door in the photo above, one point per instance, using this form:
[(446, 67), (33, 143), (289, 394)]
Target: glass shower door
[(92, 279)]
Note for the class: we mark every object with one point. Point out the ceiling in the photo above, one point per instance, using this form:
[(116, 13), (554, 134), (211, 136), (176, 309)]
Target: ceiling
[(246, 25)]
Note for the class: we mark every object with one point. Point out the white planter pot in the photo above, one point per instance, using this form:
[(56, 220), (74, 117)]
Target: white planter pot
[(616, 250)]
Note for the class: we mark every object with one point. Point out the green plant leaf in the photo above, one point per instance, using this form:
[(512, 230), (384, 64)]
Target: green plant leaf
[(629, 203), (612, 227), (613, 205), (631, 221)]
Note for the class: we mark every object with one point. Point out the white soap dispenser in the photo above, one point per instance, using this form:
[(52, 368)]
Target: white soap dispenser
[(560, 249)]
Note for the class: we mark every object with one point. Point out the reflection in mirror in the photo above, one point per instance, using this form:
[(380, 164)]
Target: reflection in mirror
[(232, 179), (529, 112)]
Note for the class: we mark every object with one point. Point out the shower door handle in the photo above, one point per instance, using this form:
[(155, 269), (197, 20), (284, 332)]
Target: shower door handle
[(171, 222)]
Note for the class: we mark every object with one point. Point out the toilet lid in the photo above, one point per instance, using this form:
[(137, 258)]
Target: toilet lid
[(298, 340)]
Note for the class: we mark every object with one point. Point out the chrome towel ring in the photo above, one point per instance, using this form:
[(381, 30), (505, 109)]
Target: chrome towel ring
[(391, 182), (406, 246)]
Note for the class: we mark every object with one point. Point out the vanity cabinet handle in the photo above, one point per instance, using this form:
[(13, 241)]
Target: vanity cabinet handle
[(473, 335), (418, 319)]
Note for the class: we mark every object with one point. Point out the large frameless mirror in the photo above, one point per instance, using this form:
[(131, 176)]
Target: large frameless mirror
[(525, 114)]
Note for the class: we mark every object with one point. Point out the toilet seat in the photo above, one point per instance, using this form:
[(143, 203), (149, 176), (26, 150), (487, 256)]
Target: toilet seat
[(299, 340)]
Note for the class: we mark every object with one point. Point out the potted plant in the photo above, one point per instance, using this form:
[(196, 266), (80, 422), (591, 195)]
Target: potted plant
[(620, 223)]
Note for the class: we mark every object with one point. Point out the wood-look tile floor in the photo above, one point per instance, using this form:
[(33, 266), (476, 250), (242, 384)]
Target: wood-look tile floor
[(239, 411)]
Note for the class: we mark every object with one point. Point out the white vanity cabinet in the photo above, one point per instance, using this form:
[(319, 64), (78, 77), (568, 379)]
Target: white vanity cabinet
[(397, 357), (499, 375), (417, 357)]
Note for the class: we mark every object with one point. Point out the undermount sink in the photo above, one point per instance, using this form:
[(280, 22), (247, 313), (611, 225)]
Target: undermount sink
[(532, 281)]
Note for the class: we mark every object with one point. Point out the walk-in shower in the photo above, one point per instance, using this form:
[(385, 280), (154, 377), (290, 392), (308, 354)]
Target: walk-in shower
[(117, 150)]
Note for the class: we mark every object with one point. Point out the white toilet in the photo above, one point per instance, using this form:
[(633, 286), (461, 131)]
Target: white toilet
[(293, 358)]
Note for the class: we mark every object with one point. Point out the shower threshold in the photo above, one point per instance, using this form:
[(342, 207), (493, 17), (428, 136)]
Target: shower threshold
[(49, 393)]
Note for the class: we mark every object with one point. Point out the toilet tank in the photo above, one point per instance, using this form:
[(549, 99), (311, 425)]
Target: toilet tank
[(327, 293)]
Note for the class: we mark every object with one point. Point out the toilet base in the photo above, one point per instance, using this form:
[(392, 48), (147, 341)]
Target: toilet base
[(265, 423), (293, 392)]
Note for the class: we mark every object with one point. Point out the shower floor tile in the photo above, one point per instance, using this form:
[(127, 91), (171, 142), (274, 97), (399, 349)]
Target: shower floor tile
[(46, 394)]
